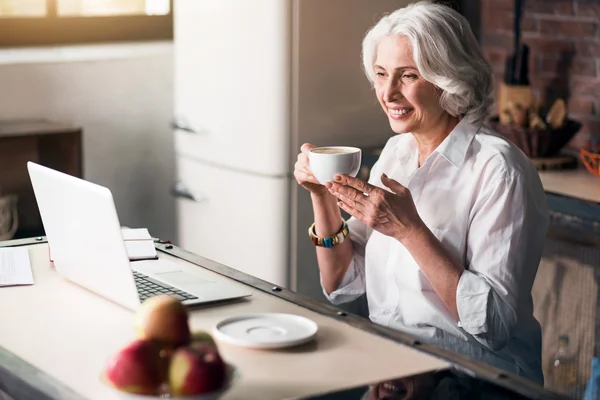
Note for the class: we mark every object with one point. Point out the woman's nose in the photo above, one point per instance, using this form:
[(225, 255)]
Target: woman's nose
[(392, 91)]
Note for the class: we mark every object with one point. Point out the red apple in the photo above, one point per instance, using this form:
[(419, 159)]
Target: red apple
[(137, 368), (196, 369), (164, 319)]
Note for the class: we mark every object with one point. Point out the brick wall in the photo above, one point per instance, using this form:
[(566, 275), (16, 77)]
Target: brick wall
[(564, 40)]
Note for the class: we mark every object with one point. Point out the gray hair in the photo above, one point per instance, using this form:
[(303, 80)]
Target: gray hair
[(445, 52)]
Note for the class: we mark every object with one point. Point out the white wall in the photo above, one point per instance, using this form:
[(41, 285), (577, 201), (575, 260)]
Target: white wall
[(121, 95)]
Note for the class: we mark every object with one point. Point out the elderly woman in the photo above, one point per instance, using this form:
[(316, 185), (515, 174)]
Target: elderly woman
[(446, 237)]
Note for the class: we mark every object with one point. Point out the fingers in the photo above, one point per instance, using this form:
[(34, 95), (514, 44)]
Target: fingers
[(356, 183), (306, 147), (354, 198), (302, 172), (349, 196), (302, 161), (351, 210), (305, 177), (393, 185), (302, 164), (365, 214)]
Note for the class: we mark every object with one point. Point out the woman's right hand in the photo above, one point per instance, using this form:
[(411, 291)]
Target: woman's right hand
[(304, 176)]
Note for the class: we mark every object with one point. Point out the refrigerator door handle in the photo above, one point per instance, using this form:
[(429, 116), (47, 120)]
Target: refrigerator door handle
[(182, 124), (179, 190)]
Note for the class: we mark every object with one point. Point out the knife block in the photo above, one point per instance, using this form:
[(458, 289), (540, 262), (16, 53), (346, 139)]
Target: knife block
[(517, 94)]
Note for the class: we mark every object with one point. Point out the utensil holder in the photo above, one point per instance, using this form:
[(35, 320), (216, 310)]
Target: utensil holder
[(538, 142)]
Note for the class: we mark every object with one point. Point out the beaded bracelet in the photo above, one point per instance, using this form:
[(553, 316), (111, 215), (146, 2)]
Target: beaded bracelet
[(330, 241)]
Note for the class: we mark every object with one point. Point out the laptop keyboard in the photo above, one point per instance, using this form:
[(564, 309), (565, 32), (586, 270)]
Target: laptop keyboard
[(148, 287)]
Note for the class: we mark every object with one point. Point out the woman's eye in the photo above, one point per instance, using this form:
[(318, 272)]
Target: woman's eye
[(380, 74), (409, 77)]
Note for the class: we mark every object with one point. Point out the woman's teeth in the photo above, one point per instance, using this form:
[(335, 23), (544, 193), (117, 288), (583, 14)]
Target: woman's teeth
[(401, 112), (390, 387)]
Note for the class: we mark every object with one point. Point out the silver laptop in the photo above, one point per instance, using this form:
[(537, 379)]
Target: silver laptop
[(83, 231)]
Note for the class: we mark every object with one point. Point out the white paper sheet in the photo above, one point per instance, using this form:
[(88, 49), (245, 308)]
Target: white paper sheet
[(135, 234), (140, 249), (15, 267)]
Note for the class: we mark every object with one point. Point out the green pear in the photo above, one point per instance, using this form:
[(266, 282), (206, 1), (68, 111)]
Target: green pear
[(163, 319), (201, 336)]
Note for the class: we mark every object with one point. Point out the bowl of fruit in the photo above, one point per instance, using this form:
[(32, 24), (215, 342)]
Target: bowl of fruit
[(167, 359)]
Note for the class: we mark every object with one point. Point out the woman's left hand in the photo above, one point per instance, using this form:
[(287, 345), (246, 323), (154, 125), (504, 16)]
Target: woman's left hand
[(392, 213)]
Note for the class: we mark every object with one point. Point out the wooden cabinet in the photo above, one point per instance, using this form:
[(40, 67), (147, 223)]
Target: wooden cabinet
[(53, 144), (566, 292)]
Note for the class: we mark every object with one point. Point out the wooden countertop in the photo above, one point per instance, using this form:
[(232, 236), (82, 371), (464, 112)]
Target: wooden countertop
[(578, 183)]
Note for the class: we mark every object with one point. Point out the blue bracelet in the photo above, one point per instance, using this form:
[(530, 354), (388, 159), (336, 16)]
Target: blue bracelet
[(331, 241)]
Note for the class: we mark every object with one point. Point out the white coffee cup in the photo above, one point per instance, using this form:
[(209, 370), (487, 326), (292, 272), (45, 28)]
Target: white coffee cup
[(326, 162)]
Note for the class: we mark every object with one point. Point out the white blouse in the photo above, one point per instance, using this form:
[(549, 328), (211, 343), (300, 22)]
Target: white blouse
[(483, 199)]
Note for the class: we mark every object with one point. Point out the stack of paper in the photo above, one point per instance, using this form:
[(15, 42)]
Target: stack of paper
[(139, 244), (15, 267)]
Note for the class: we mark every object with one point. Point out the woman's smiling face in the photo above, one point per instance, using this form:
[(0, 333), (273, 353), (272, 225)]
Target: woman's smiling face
[(411, 103)]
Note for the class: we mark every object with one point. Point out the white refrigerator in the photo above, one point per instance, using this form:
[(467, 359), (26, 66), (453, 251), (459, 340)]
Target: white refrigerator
[(254, 79)]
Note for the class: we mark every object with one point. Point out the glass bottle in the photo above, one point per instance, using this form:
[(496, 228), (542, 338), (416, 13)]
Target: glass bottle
[(564, 367)]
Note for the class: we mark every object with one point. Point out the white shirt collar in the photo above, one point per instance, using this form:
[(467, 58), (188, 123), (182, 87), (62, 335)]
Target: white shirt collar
[(453, 148)]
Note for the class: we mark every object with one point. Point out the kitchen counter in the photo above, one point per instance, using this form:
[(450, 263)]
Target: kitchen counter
[(573, 198), (578, 183)]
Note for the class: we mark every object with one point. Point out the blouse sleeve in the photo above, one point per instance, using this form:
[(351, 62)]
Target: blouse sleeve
[(504, 245), (353, 282)]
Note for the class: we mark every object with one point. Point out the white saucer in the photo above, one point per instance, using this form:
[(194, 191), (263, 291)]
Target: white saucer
[(266, 331)]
